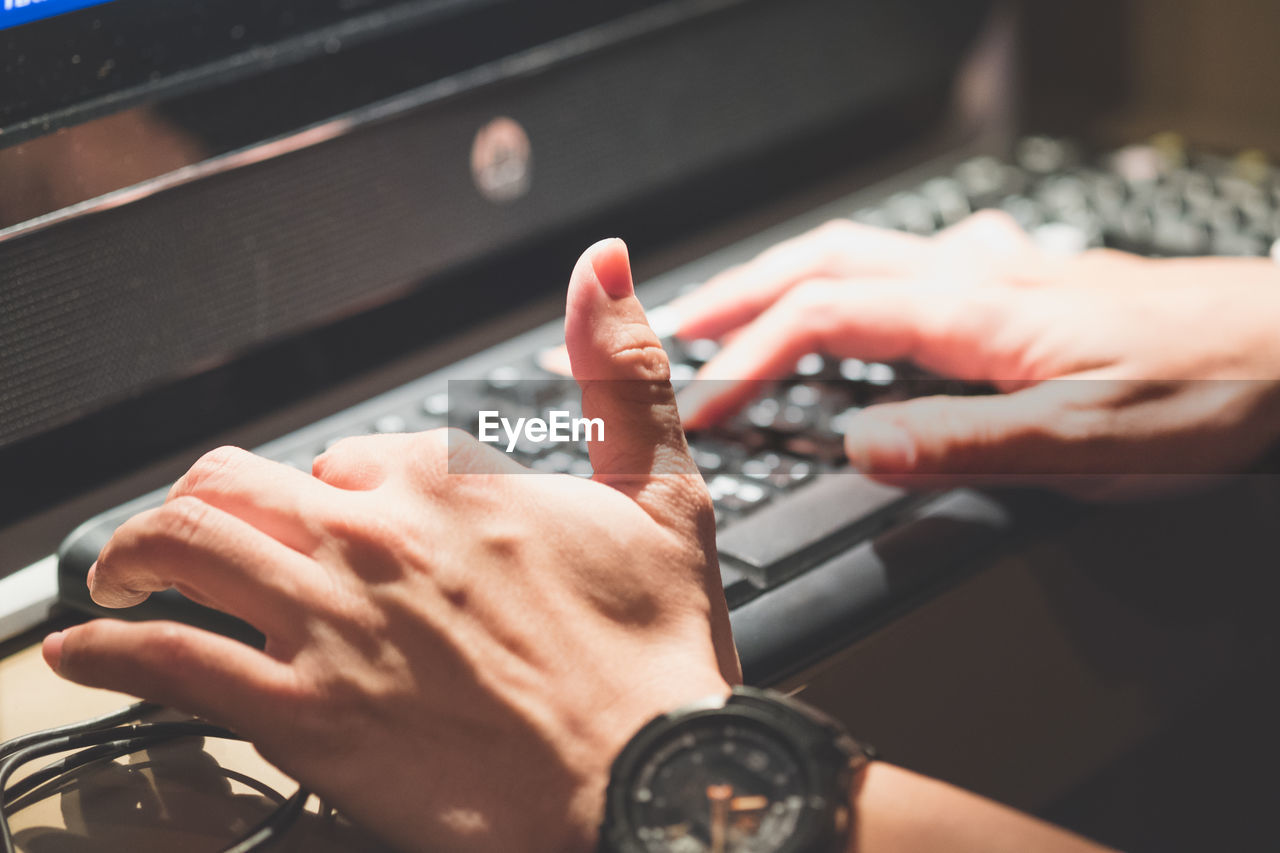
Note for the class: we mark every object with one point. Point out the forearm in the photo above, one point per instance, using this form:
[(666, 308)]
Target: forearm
[(897, 811)]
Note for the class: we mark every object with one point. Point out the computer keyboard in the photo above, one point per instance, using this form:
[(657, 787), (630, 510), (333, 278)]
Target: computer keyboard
[(812, 554)]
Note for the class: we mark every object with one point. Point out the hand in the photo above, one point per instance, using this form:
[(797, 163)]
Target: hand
[(1182, 355), (453, 659)]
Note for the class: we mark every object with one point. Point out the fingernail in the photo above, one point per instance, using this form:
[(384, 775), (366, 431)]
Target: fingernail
[(52, 650), (93, 570), (613, 268), (876, 445)]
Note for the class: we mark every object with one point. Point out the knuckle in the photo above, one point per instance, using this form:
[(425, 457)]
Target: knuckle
[(807, 299), (452, 439), (836, 230), (604, 396), (337, 450), (459, 446), (427, 456), (210, 470), (168, 647), (349, 447), (360, 462), (332, 457), (355, 444), (179, 520), (82, 642), (365, 532), (644, 360), (172, 640)]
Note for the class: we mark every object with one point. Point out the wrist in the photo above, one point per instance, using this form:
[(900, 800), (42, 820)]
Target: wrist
[(615, 724), (755, 770)]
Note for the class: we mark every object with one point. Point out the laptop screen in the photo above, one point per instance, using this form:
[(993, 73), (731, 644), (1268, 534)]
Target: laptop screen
[(17, 12)]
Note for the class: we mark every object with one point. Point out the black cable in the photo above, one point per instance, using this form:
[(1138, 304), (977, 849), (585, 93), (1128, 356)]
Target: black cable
[(274, 827), (125, 715), (52, 772), (26, 793), (103, 738)]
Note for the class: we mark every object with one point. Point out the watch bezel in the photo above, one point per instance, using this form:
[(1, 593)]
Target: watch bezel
[(827, 756)]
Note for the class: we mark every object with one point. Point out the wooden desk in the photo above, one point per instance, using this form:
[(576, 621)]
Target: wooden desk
[(175, 797)]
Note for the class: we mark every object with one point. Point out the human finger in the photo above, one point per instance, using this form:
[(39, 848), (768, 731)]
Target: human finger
[(941, 329), (223, 561), (175, 665), (839, 249), (278, 499), (625, 378), (990, 233), (364, 462), (1087, 437)]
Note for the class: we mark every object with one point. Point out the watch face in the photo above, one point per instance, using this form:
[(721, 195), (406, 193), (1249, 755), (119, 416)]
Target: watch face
[(717, 786)]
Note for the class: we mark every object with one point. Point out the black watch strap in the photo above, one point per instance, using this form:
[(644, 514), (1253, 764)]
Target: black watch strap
[(798, 800)]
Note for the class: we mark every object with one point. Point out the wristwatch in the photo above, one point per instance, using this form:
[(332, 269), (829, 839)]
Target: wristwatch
[(757, 772)]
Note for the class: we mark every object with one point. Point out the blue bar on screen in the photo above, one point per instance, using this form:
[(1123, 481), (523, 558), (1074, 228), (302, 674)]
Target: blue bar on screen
[(16, 12)]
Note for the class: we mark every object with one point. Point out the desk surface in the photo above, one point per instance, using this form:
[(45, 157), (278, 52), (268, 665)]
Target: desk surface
[(1050, 663), (173, 798)]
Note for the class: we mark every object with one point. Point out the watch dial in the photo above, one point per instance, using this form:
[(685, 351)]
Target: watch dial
[(718, 788)]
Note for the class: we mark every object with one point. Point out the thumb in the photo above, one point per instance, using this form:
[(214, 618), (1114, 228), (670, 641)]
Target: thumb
[(968, 440), (625, 378)]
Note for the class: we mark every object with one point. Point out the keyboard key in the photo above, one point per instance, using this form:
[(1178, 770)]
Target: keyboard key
[(876, 217), (828, 448), (721, 486), (751, 494), (810, 365), (796, 533), (913, 213), (664, 321), (761, 467), (779, 470), (853, 369), (880, 374), (804, 395), (1044, 154), (682, 374), (701, 351), (708, 461), (948, 199), (504, 379), (738, 588), (388, 424), (437, 405), (763, 413)]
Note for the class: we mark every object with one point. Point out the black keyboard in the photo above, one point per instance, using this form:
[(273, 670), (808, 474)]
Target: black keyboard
[(813, 555)]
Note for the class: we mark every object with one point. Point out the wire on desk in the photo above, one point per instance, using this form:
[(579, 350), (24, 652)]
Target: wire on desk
[(109, 737)]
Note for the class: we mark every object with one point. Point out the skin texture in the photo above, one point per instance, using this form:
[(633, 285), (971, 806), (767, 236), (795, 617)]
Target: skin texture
[(1180, 356), (454, 642), (457, 648)]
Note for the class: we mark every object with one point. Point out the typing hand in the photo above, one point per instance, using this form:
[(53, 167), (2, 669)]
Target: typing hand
[(453, 659), (1181, 355)]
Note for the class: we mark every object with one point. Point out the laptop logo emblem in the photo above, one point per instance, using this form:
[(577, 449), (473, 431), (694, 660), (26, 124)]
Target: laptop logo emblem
[(502, 161)]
